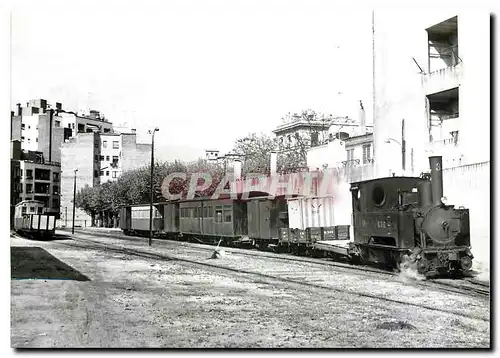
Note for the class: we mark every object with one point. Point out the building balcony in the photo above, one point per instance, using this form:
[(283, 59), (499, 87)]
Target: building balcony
[(442, 79)]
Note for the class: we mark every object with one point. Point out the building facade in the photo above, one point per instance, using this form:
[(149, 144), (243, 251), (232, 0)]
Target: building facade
[(99, 158), (33, 178), (432, 70)]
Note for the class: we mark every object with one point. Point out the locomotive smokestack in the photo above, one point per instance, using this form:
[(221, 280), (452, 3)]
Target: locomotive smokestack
[(436, 164)]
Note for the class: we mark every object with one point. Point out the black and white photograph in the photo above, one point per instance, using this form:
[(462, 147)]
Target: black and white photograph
[(250, 174)]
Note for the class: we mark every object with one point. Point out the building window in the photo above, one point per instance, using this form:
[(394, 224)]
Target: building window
[(55, 203), (58, 123), (29, 174), (55, 177), (107, 173), (37, 140), (96, 174), (29, 140), (23, 209), (115, 174), (22, 139), (29, 188), (101, 158), (367, 153), (102, 172), (32, 209), (350, 155), (22, 125), (107, 158), (115, 145), (96, 158), (104, 143), (56, 190)]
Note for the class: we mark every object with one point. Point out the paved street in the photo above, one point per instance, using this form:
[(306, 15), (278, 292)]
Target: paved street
[(81, 295)]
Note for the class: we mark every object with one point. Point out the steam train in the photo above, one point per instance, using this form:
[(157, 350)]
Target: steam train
[(397, 222), (404, 220)]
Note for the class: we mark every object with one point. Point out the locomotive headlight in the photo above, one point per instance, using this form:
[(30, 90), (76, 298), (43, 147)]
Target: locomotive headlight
[(444, 200)]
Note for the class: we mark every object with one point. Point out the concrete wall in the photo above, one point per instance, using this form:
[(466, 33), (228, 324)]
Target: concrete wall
[(469, 186), (134, 155), (331, 154), (78, 153), (15, 128)]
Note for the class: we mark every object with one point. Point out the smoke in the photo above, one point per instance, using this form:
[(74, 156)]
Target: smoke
[(409, 271)]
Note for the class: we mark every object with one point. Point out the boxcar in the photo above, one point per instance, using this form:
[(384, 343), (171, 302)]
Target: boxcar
[(265, 218), (30, 219), (214, 219)]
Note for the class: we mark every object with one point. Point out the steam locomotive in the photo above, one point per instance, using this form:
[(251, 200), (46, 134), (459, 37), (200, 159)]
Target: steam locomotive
[(407, 221)]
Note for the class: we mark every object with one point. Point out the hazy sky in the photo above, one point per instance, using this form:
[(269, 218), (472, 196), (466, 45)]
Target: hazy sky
[(205, 74)]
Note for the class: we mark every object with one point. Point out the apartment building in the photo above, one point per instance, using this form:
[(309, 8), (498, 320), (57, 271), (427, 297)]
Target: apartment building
[(432, 69), (39, 128), (98, 158), (33, 178)]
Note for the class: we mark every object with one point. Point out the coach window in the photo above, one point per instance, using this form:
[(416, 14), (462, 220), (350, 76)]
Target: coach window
[(23, 210), (218, 214), (32, 209), (228, 211), (205, 212), (210, 212)]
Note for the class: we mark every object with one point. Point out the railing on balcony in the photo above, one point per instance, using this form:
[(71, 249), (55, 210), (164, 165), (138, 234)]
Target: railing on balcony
[(351, 163), (448, 142)]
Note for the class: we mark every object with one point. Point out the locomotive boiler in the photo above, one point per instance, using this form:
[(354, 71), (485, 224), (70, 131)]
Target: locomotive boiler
[(407, 221)]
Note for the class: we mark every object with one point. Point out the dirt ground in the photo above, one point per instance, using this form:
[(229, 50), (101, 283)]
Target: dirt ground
[(73, 293)]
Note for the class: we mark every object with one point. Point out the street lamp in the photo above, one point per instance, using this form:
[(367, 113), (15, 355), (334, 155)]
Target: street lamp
[(151, 184), (74, 204), (402, 144)]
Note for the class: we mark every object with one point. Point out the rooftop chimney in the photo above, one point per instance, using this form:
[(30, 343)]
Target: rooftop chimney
[(237, 169), (274, 157), (362, 120)]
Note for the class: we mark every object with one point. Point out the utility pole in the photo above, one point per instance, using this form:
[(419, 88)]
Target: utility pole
[(403, 146), (151, 185), (74, 204)]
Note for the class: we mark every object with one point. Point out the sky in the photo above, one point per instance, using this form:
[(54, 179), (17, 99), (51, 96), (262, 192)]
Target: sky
[(204, 73)]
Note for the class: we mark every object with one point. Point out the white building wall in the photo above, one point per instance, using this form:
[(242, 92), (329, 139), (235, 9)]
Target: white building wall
[(400, 36)]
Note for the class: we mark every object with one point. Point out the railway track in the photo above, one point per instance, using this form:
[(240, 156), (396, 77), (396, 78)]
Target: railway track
[(306, 277), (464, 286), (453, 286)]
